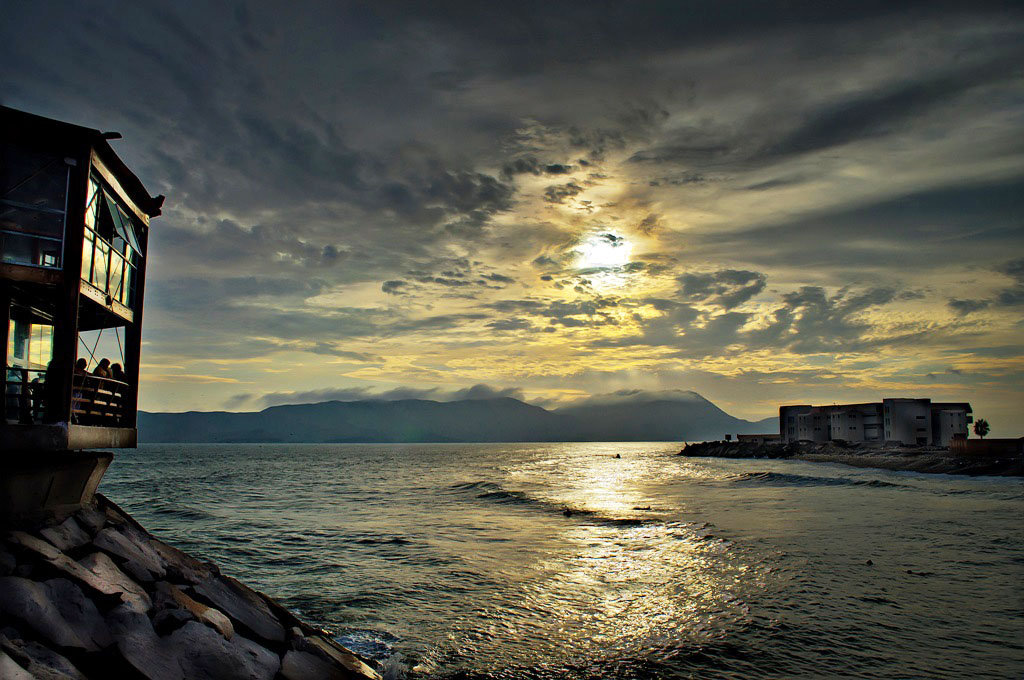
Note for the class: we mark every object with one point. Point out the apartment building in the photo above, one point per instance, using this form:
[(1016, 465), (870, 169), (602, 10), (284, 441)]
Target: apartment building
[(907, 421)]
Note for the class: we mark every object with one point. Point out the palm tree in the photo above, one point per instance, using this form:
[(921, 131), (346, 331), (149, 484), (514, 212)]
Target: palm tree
[(981, 427)]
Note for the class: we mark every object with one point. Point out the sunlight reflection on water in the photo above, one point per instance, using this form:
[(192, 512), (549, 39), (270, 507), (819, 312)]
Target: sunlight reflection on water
[(461, 560)]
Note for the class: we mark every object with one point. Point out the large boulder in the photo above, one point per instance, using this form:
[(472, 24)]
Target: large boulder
[(45, 558), (41, 662), (170, 596), (37, 547), (91, 519), (134, 549), (298, 665), (141, 649), (181, 567), (247, 610), (67, 535), (10, 670), (56, 610), (7, 563), (111, 579), (336, 655), (206, 655)]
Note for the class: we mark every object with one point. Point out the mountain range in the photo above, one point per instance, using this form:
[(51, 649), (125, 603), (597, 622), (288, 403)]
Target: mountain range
[(682, 417)]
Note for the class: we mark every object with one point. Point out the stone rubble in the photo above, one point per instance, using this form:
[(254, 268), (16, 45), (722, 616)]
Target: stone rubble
[(96, 596)]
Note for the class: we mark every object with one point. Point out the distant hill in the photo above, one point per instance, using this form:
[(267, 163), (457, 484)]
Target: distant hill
[(688, 418)]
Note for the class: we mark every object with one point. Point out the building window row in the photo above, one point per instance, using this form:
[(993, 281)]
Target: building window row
[(110, 248), (33, 203)]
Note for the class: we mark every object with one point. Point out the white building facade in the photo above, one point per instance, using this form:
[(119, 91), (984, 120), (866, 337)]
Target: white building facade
[(898, 420)]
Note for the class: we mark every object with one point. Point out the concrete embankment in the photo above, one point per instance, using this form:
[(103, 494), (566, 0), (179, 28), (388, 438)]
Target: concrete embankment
[(909, 458), (96, 596)]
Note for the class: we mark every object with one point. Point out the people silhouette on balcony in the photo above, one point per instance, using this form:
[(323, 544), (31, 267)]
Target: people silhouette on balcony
[(102, 369)]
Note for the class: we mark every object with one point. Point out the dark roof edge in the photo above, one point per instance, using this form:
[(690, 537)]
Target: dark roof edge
[(30, 124)]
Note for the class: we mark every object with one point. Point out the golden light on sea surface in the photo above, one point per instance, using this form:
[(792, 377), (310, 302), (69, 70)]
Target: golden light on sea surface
[(627, 580)]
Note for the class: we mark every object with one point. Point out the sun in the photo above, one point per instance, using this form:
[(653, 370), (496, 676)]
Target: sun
[(605, 249)]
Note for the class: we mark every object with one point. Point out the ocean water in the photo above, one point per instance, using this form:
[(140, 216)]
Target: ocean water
[(565, 561)]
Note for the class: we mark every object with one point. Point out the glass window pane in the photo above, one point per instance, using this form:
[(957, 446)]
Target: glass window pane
[(92, 206), (40, 346), (18, 248), (25, 220), (32, 178), (126, 286), (99, 264), (87, 246), (116, 272), (127, 230), (17, 343)]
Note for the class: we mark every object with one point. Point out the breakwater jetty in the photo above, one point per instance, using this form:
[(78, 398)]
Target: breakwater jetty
[(94, 595), (930, 459)]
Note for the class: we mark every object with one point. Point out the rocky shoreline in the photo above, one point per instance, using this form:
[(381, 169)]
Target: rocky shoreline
[(906, 458), (96, 596)]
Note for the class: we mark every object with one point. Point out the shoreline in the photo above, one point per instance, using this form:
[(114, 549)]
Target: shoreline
[(924, 459)]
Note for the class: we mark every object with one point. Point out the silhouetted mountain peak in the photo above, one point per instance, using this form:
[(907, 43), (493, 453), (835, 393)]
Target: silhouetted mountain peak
[(624, 416)]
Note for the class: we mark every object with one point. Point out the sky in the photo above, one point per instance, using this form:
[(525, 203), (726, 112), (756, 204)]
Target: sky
[(765, 203)]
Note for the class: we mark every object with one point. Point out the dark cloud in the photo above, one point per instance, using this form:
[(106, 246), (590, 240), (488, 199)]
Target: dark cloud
[(481, 391), (451, 283), (726, 288), (776, 183), (650, 224), (637, 396), (475, 393), (239, 401), (438, 322), (808, 321), (1012, 296), (517, 306), (965, 307), (394, 287), (201, 294), (514, 324), (580, 312), (498, 278), (919, 230), (863, 114), (557, 193), (332, 349), (597, 141), (529, 165), (885, 110), (557, 169), (569, 314)]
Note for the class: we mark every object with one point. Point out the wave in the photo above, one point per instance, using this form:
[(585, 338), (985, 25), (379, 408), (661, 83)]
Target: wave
[(784, 479), (489, 492), (182, 512)]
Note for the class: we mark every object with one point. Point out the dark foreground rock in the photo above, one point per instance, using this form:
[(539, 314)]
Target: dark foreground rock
[(96, 596), (929, 459)]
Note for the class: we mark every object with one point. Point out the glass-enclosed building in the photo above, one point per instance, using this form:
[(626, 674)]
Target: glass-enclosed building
[(74, 224)]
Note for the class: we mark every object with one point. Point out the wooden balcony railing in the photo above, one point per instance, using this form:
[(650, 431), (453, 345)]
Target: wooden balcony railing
[(24, 399), (98, 401), (94, 400)]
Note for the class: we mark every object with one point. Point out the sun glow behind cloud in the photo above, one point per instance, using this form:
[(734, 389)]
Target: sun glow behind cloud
[(604, 250)]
